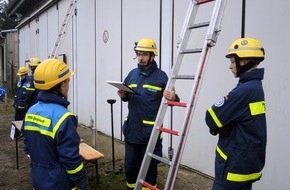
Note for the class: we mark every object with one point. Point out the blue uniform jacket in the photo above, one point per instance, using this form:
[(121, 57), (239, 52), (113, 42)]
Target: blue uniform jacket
[(240, 120), (20, 95), (143, 108), (31, 92), (52, 142)]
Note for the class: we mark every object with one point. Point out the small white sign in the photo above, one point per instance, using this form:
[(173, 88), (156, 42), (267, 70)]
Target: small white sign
[(12, 132)]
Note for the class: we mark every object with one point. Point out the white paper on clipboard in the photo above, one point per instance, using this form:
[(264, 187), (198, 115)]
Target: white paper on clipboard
[(121, 86)]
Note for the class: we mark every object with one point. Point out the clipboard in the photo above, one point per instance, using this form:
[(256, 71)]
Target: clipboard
[(122, 86)]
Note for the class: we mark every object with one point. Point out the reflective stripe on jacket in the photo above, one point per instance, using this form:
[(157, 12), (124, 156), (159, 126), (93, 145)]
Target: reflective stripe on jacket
[(240, 119), (143, 108), (52, 142)]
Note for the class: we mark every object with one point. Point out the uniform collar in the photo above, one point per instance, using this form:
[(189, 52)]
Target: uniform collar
[(48, 97), (148, 71), (251, 75)]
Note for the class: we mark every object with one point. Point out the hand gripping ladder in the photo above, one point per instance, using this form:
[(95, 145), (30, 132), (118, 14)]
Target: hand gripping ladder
[(62, 31), (213, 29)]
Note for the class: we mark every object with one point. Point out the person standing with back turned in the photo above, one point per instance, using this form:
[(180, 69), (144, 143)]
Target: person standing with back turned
[(49, 132), (239, 119), (31, 92), (149, 82)]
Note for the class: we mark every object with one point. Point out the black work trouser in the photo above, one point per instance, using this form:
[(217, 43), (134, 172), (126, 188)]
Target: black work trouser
[(219, 186), (134, 154), (18, 116)]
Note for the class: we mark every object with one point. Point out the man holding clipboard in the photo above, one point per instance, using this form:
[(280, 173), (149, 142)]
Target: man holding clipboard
[(146, 88)]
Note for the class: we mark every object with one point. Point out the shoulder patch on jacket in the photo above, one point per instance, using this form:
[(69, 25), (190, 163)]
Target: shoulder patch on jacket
[(220, 102)]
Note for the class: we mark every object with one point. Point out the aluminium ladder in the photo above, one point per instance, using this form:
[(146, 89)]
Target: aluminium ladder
[(62, 31), (213, 30)]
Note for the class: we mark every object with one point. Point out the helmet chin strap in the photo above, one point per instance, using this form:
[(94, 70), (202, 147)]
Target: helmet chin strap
[(244, 68)]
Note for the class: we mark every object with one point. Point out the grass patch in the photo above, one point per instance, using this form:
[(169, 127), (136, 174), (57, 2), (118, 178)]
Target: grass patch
[(6, 107)]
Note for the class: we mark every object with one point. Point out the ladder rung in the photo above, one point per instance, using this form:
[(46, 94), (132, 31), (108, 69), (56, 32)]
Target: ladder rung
[(174, 103), (199, 2), (196, 50), (166, 130), (163, 160), (146, 184), (190, 77), (199, 25)]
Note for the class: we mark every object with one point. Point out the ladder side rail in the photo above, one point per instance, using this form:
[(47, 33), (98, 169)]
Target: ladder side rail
[(216, 19), (155, 134), (61, 33), (62, 30), (186, 122), (210, 40), (183, 40)]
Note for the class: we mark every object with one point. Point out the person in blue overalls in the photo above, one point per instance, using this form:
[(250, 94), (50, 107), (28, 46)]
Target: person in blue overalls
[(20, 104), (149, 82), (50, 136), (239, 119), (31, 92)]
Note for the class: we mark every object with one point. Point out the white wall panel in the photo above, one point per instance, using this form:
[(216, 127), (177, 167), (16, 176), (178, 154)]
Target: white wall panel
[(108, 63), (268, 21), (42, 39), (85, 64), (27, 42), (22, 43), (32, 37), (52, 28), (141, 19)]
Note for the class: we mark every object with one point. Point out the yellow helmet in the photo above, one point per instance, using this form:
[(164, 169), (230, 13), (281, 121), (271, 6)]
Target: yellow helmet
[(22, 71), (146, 44), (51, 72), (246, 47), (34, 61)]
